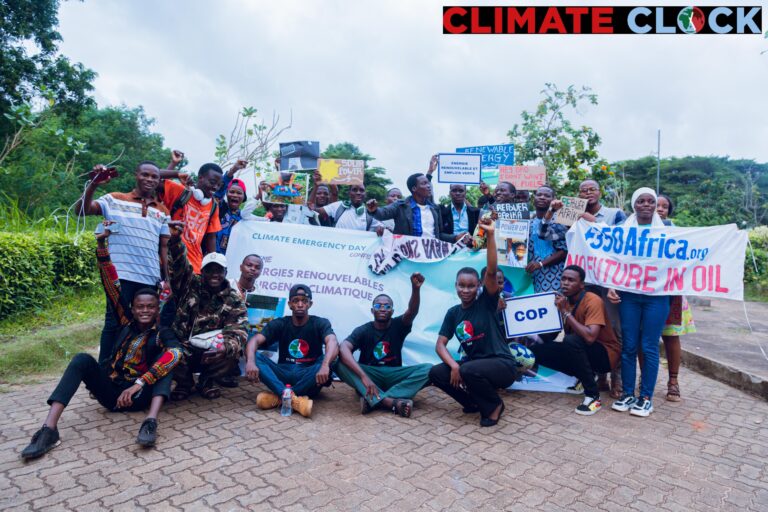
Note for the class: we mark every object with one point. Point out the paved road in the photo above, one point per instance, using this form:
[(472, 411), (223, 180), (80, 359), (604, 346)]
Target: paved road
[(706, 453)]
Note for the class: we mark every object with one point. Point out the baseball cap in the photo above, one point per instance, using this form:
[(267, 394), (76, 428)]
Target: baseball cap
[(214, 257), (295, 291)]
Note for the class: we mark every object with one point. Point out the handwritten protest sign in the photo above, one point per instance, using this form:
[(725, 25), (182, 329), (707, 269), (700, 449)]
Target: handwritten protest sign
[(395, 248), (300, 155), (524, 177), (572, 208), (531, 314), (662, 260), (285, 187), (512, 242), (492, 157), (341, 172), (459, 168), (513, 211)]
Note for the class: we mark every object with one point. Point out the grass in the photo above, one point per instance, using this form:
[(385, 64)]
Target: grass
[(755, 294), (39, 343)]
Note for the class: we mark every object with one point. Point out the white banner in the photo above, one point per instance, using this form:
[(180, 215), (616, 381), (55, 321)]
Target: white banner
[(661, 261), (396, 248)]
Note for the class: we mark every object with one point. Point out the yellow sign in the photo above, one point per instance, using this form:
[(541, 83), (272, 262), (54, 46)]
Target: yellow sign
[(341, 172)]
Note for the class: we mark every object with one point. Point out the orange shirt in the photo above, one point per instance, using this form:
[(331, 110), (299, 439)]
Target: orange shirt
[(591, 311), (196, 217)]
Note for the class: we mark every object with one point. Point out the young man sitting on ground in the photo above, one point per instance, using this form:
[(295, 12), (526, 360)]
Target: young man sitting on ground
[(136, 374), (590, 345), (300, 355), (379, 376)]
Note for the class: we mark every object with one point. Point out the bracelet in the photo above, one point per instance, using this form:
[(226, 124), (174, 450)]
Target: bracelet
[(139, 382), (541, 265)]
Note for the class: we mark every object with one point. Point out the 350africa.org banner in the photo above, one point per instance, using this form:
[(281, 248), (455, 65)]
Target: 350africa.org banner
[(663, 260)]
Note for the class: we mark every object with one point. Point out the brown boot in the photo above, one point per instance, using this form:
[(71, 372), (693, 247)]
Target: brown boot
[(302, 405), (267, 400)]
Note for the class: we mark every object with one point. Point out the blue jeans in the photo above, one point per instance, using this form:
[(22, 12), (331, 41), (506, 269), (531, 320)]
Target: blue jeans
[(276, 376), (642, 320)]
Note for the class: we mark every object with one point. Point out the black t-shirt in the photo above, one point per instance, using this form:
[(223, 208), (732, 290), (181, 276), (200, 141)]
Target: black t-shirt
[(380, 347), (299, 345), (477, 328)]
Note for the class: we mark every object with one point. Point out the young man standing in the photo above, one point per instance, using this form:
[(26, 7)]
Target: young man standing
[(301, 364), (459, 217), (590, 345), (416, 215), (140, 247), (351, 215), (379, 376)]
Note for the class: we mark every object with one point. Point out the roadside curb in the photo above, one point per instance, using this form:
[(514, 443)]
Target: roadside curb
[(739, 379)]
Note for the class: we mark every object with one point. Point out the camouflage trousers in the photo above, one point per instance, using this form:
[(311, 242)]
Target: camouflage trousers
[(191, 363)]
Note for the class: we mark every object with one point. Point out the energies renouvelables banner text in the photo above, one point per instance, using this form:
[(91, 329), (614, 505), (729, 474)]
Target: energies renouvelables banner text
[(666, 260)]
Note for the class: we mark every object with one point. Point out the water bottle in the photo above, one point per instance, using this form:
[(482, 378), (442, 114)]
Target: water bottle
[(286, 409), (218, 342)]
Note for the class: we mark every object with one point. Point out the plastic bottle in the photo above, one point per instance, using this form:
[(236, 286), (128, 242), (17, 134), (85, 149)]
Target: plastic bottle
[(218, 342), (285, 409)]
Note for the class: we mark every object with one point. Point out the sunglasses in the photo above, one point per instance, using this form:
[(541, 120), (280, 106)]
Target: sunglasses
[(382, 307)]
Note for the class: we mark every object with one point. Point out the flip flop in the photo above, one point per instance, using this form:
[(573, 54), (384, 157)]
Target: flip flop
[(403, 407)]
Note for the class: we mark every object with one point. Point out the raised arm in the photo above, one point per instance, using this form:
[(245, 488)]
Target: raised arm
[(109, 278), (489, 282), (86, 205), (413, 304)]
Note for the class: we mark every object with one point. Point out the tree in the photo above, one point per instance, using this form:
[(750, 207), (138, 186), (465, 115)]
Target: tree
[(249, 140), (30, 64), (547, 136), (376, 181)]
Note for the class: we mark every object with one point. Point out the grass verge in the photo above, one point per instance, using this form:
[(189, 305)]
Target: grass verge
[(39, 343)]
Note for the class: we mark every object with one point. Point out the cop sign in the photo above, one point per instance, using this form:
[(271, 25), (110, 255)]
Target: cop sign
[(531, 314)]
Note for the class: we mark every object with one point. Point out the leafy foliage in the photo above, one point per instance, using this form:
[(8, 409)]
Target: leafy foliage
[(569, 152), (376, 181), (31, 65), (757, 282)]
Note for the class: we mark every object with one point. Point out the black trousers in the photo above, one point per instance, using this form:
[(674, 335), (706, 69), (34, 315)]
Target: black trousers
[(84, 368), (575, 357), (482, 378)]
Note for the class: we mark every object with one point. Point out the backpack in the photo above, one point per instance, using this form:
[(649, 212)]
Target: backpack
[(342, 208), (184, 198)]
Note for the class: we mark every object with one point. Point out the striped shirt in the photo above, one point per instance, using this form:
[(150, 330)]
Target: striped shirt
[(135, 248)]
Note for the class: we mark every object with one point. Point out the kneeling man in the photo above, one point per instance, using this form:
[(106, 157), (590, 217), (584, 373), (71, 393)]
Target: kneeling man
[(379, 376), (590, 345), (300, 362)]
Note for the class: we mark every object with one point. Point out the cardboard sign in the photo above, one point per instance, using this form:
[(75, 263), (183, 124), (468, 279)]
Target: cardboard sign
[(492, 157), (341, 172), (524, 177), (512, 211), (572, 208), (286, 187), (531, 314), (512, 242), (299, 155), (461, 168)]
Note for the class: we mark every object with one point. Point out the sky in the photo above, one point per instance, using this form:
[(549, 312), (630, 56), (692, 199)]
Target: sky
[(383, 76)]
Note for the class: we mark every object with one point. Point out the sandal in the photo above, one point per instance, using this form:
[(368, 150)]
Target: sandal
[(673, 392), (209, 391), (402, 407), (179, 394), (616, 390)]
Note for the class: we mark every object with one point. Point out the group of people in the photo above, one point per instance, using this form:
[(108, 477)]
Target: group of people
[(172, 313)]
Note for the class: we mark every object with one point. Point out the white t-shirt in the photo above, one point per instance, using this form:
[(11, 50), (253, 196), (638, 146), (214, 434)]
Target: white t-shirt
[(427, 222), (349, 219)]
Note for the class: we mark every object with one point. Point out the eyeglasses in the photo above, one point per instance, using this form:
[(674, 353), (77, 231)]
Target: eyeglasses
[(382, 307), (300, 300)]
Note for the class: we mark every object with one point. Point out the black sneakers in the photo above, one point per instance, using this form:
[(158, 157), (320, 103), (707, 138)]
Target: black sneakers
[(44, 440), (147, 433)]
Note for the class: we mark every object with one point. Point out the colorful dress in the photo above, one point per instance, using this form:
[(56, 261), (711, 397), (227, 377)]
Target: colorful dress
[(680, 319), (545, 279)]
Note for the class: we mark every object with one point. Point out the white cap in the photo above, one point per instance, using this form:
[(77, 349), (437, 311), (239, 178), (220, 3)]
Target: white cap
[(214, 257)]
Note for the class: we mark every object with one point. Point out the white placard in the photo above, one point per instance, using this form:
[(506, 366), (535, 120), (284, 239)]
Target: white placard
[(463, 168), (531, 314)]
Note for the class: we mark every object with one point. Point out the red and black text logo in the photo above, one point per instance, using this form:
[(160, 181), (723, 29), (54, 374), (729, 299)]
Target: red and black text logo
[(602, 20)]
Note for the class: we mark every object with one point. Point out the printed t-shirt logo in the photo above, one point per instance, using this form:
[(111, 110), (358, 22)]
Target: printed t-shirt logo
[(381, 350), (465, 331), (298, 349)]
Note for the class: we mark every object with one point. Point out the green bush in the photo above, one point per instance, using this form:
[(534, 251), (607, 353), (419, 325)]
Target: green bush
[(757, 283), (36, 265)]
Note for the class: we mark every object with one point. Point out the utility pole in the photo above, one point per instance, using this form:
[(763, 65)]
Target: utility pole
[(658, 160)]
